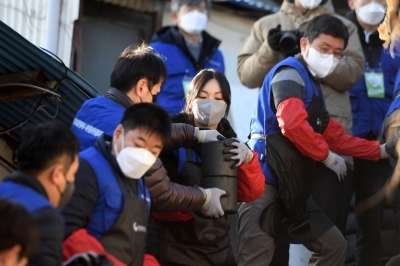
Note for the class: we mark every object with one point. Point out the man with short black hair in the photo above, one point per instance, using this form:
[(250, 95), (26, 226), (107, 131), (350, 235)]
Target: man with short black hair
[(47, 160), (111, 204), (293, 132), (19, 235), (188, 48)]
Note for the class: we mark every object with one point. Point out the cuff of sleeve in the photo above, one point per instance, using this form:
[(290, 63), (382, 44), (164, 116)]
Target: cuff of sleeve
[(249, 156), (200, 134), (206, 194), (330, 159)]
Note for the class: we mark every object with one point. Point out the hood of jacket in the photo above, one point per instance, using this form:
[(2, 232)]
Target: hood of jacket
[(171, 35)]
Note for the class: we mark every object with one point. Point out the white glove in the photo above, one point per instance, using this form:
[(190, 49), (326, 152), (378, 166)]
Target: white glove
[(384, 154), (243, 153), (212, 206), (336, 164), (207, 135)]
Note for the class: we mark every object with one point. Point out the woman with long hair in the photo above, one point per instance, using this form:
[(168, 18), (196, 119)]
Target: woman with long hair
[(192, 238)]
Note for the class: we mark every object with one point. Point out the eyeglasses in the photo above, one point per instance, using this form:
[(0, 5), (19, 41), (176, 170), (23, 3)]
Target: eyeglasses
[(324, 52)]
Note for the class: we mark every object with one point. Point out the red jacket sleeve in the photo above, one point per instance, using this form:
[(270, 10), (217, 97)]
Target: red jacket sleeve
[(292, 119), (80, 241), (250, 183), (342, 143)]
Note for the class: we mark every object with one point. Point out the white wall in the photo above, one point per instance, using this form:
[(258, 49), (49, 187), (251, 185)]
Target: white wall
[(233, 32), (29, 17)]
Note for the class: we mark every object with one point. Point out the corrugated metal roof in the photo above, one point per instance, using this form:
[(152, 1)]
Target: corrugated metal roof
[(18, 54)]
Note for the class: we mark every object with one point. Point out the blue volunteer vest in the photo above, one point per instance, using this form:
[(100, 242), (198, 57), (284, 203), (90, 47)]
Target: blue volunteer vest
[(264, 121), (178, 65), (368, 113), (110, 198), (24, 195), (96, 116)]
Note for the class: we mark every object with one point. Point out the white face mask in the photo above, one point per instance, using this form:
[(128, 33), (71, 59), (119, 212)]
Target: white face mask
[(193, 22), (371, 14), (318, 65), (208, 112), (134, 162), (310, 4)]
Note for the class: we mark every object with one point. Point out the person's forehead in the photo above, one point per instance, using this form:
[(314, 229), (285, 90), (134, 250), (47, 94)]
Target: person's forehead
[(144, 134), (324, 39)]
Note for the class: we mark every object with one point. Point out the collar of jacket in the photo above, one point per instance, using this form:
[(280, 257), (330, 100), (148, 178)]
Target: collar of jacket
[(119, 97), (28, 181), (171, 34), (299, 18), (224, 127), (373, 38), (103, 144)]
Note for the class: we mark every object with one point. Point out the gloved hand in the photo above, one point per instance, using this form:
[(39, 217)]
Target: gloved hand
[(242, 153), (274, 37), (212, 206), (208, 135), (336, 164)]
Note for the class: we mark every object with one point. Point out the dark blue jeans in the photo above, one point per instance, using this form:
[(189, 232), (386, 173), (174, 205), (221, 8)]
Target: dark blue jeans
[(368, 178)]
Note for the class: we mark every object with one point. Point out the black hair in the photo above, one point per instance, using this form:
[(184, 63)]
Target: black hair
[(149, 117), (329, 25), (176, 4), (17, 227), (45, 144), (200, 80), (135, 63)]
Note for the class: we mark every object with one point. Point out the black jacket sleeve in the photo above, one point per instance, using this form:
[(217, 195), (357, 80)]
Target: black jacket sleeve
[(50, 227), (79, 210)]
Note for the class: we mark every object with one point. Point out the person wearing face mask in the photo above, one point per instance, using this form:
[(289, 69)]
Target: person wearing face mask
[(47, 160), (262, 52), (190, 238), (188, 48), (370, 100), (110, 208), (293, 132)]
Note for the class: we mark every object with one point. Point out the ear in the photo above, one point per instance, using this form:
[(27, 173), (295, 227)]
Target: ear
[(11, 255), (303, 45), (140, 87), (351, 4), (118, 132), (174, 17), (57, 174)]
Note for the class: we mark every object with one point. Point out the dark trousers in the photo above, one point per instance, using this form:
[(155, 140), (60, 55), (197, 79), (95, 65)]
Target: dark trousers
[(328, 194), (368, 178)]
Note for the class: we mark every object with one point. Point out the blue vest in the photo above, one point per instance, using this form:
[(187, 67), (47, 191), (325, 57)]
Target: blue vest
[(172, 96), (109, 196), (24, 195), (96, 116), (264, 121), (368, 113)]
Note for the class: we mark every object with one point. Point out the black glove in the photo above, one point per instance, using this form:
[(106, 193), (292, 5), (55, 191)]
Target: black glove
[(274, 36)]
